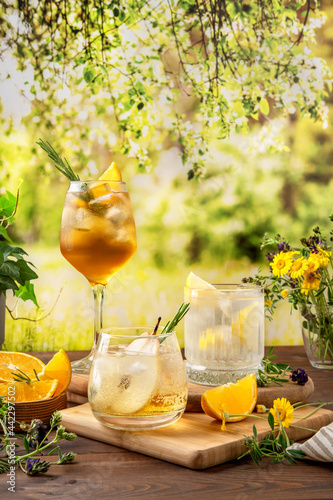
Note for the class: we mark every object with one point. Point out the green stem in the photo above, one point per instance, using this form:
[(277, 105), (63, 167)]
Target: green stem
[(304, 428)]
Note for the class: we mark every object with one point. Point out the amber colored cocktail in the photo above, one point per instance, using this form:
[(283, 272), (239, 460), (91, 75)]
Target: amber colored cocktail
[(97, 237)]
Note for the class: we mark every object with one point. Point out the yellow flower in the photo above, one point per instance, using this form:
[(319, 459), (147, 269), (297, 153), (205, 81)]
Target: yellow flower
[(313, 265), (298, 267), (311, 282), (224, 416), (285, 293), (281, 263), (268, 303), (285, 410), (322, 257), (261, 409)]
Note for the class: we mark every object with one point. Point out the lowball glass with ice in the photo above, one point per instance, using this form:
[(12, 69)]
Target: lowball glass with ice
[(137, 380)]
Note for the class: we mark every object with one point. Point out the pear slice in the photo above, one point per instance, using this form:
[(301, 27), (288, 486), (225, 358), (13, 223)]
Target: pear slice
[(123, 384)]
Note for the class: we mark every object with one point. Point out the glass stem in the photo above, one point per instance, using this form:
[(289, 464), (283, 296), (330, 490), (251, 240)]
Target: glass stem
[(98, 292)]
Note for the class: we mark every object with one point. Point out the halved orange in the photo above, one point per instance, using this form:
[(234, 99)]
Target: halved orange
[(20, 392), (59, 367), (12, 361), (111, 174), (235, 398)]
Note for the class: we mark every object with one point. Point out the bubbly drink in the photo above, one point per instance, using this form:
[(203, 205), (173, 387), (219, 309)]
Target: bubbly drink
[(224, 333), (97, 229), (137, 382)]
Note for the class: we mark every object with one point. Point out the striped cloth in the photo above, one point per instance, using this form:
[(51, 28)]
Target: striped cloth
[(319, 447)]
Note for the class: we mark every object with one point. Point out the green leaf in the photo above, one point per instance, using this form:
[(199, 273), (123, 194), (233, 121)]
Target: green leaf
[(264, 106), (297, 453), (10, 268), (291, 460), (26, 273), (7, 283), (27, 292), (88, 74), (4, 234), (26, 445), (254, 429), (270, 420)]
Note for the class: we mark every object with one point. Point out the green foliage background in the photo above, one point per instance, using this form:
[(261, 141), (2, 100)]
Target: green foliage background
[(212, 225)]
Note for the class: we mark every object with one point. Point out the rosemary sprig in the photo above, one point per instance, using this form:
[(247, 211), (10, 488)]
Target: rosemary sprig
[(62, 165), (273, 373), (171, 325)]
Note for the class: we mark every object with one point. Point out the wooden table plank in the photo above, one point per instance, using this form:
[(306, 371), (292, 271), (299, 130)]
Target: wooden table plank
[(104, 471)]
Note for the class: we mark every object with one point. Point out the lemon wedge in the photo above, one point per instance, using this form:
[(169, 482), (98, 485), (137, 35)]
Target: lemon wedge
[(193, 281), (111, 174)]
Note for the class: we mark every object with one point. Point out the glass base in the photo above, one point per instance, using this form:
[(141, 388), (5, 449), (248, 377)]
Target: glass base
[(319, 357), (127, 423), (204, 376), (322, 364), (82, 365)]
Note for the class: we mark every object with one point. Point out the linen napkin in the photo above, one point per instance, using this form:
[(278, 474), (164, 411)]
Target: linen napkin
[(319, 447)]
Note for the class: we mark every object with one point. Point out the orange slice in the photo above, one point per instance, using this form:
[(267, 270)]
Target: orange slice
[(111, 174), (59, 367), (238, 398), (12, 361), (20, 392)]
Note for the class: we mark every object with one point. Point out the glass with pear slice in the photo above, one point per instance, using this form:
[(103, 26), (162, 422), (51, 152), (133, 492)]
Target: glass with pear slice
[(138, 379)]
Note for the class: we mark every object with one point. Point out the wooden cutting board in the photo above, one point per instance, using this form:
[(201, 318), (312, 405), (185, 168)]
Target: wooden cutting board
[(78, 388), (195, 441)]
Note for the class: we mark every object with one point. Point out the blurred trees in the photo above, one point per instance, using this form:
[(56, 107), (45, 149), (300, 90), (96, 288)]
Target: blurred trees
[(180, 91)]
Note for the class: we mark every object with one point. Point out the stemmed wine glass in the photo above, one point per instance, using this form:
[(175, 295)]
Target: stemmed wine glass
[(97, 237)]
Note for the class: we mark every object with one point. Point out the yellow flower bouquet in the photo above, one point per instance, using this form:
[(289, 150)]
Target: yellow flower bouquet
[(304, 276)]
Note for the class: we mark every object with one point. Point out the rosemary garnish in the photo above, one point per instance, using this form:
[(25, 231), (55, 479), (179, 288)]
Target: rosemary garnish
[(171, 325), (23, 377), (274, 373), (62, 165)]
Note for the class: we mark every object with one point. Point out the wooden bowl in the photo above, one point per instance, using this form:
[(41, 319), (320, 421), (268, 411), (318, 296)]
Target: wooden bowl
[(25, 412)]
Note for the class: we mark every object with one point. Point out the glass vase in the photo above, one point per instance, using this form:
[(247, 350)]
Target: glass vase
[(317, 332)]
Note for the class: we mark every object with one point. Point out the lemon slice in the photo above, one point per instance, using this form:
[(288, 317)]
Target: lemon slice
[(111, 174), (193, 281)]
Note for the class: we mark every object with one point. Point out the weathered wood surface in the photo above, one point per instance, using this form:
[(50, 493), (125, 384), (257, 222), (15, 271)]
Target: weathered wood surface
[(195, 441), (104, 471)]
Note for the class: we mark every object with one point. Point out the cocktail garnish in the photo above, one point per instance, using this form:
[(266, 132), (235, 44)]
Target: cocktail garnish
[(171, 325), (156, 326), (62, 165), (20, 376)]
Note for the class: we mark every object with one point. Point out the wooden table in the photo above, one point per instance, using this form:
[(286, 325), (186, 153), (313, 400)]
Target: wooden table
[(103, 471)]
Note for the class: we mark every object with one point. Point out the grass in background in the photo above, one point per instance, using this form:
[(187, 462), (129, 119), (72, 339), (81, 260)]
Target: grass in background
[(136, 295)]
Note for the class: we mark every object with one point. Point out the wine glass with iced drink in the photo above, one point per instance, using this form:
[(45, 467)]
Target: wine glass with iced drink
[(97, 237)]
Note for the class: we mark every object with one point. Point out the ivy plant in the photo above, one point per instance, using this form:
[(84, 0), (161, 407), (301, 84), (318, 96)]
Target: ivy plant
[(16, 272)]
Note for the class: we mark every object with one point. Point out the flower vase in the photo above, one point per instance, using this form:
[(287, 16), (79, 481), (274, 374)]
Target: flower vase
[(317, 332)]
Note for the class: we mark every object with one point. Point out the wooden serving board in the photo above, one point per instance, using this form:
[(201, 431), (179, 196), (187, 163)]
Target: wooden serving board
[(78, 388), (194, 441)]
